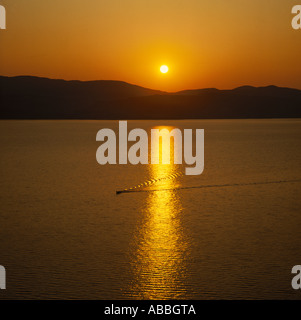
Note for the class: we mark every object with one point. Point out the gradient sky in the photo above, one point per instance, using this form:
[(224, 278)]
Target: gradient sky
[(205, 43)]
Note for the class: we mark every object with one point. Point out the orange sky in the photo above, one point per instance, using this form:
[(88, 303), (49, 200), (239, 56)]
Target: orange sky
[(205, 43)]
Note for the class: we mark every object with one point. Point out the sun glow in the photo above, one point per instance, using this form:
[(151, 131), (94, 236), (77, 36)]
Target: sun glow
[(164, 69)]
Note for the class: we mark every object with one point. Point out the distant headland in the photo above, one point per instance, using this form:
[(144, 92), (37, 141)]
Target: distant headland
[(27, 97)]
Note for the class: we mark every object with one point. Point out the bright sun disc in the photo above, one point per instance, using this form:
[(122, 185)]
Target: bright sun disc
[(164, 69)]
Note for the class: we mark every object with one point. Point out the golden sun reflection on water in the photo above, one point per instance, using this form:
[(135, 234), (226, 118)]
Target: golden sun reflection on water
[(160, 246)]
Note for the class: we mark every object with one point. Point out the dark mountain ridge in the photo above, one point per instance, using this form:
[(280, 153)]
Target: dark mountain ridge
[(27, 97)]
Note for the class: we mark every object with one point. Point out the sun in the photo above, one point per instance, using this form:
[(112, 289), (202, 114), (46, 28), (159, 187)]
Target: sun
[(164, 69)]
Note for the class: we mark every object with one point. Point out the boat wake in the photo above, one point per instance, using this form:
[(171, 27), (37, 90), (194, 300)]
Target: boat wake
[(141, 187)]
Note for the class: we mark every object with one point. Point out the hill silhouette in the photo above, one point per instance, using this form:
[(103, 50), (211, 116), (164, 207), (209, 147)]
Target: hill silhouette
[(27, 97)]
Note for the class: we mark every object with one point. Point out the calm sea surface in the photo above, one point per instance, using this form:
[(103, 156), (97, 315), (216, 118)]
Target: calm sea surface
[(64, 233)]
